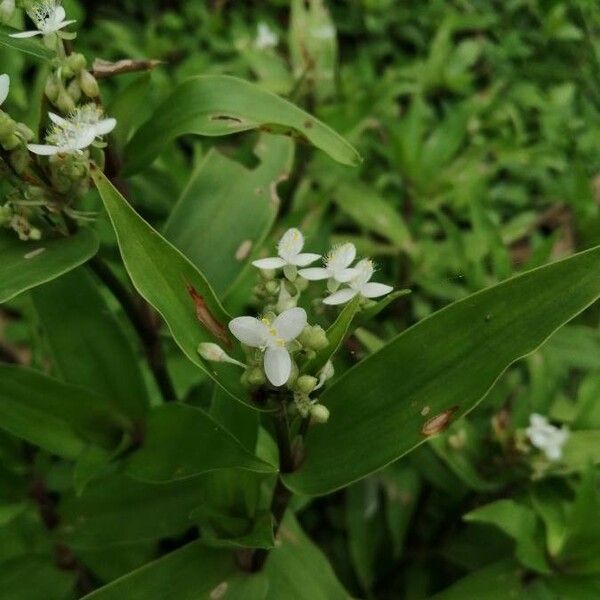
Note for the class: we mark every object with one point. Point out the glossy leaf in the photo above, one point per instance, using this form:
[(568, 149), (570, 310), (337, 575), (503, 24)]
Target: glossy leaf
[(25, 265), (439, 370), (202, 446), (58, 417), (100, 356), (216, 105), (164, 277), (220, 188)]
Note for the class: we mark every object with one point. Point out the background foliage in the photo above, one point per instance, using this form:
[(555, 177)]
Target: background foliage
[(478, 124)]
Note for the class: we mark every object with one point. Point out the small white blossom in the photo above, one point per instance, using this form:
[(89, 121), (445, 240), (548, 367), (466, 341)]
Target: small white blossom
[(290, 253), (49, 18), (546, 437), (360, 285), (337, 264), (266, 37), (272, 338), (214, 353), (4, 87), (76, 133)]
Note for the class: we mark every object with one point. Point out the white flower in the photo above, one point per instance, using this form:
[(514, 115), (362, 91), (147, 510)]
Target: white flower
[(336, 266), (48, 16), (289, 250), (360, 285), (266, 37), (272, 338), (75, 133), (546, 437), (4, 87)]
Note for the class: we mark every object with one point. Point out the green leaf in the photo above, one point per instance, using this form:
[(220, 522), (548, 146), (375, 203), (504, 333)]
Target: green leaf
[(519, 522), (60, 418), (335, 334), (372, 311), (373, 213), (117, 510), (194, 572), (202, 446), (100, 356), (220, 188), (438, 370), (32, 47), (163, 276), (25, 265), (216, 105)]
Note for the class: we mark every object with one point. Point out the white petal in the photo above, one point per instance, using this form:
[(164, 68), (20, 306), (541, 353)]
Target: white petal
[(374, 290), (57, 120), (269, 263), (249, 331), (365, 271), (59, 14), (85, 139), (314, 274), (290, 323), (345, 275), (341, 257), (278, 365), (25, 34), (63, 24), (301, 260), (340, 297), (4, 87), (105, 126), (43, 149), (290, 244)]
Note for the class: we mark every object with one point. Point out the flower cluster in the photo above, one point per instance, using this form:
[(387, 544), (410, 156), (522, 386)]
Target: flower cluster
[(280, 344), (546, 437), (49, 17)]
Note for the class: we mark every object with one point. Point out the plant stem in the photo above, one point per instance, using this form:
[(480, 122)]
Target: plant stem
[(141, 317)]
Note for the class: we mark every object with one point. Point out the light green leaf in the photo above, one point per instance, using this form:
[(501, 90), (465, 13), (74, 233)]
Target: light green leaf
[(439, 370), (25, 265), (163, 276), (100, 356), (219, 189), (216, 105), (60, 418), (32, 47), (202, 446)]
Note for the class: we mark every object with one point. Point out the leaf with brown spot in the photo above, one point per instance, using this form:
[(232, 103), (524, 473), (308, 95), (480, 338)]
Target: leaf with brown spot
[(207, 319), (438, 423)]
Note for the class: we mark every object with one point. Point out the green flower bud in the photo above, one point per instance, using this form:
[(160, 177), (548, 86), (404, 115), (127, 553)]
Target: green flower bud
[(272, 287), (52, 88), (64, 102), (7, 125), (267, 274), (303, 404), (319, 413), (76, 62), (5, 214), (12, 141), (20, 159), (74, 90), (35, 234), (306, 384), (24, 132), (301, 284), (89, 85), (313, 337), (255, 377)]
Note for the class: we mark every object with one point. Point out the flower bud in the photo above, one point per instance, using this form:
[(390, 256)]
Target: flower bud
[(290, 272), (7, 125), (76, 62), (64, 102), (267, 274), (272, 287), (52, 88), (319, 413), (20, 159), (301, 284), (314, 337), (255, 377), (10, 142), (212, 352), (306, 384), (74, 90), (89, 85), (5, 214)]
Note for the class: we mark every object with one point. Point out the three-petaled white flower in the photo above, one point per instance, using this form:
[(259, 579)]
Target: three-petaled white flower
[(272, 338), (49, 18), (546, 437), (266, 37), (360, 285), (337, 264), (4, 87), (290, 253), (76, 133)]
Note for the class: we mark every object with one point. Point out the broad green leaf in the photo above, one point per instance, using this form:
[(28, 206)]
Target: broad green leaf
[(371, 212), (372, 311), (581, 449), (216, 105), (202, 445), (164, 276), (520, 523), (194, 572), (438, 370), (59, 417), (497, 581), (233, 207), (32, 47), (117, 510), (100, 356), (237, 418), (31, 577), (335, 334), (25, 265)]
